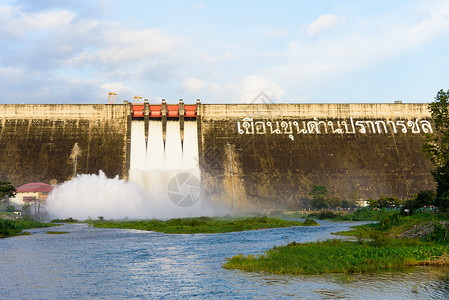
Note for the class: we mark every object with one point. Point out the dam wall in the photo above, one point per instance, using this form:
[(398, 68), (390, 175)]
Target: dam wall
[(42, 142), (278, 151), (265, 155)]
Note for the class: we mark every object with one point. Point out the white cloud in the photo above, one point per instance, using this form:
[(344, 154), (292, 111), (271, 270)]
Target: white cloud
[(324, 22), (254, 85), (117, 87), (16, 23), (307, 66), (120, 46), (195, 85)]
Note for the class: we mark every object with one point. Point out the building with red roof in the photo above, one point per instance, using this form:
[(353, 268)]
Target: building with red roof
[(32, 192)]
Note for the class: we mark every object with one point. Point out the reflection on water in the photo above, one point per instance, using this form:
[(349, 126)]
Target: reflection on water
[(115, 264)]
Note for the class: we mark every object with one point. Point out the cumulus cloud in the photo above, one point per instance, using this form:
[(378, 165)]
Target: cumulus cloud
[(256, 86), (324, 22), (15, 23), (62, 46), (195, 85), (22, 86), (306, 67)]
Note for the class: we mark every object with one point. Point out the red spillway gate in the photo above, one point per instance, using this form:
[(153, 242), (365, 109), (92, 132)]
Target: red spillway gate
[(190, 111), (155, 111), (138, 110), (172, 111)]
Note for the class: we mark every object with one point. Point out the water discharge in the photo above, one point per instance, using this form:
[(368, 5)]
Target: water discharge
[(164, 180)]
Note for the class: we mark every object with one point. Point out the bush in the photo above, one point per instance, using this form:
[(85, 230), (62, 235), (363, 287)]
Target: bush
[(389, 221), (423, 198), (439, 233), (309, 222), (326, 215)]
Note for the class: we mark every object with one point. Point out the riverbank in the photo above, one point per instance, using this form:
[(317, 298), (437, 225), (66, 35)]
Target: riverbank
[(10, 228), (384, 245), (359, 214), (203, 224)]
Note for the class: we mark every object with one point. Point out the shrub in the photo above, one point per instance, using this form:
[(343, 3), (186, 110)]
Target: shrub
[(389, 221)]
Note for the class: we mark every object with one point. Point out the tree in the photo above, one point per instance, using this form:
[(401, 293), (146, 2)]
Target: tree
[(437, 147), (423, 198), (319, 194), (26, 210), (7, 190)]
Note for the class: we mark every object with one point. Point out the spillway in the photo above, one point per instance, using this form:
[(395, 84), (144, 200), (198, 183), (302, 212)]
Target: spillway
[(167, 169)]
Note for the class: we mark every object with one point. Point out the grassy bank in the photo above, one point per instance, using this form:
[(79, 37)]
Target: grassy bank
[(361, 214), (336, 256), (203, 224), (395, 242), (397, 226), (9, 228)]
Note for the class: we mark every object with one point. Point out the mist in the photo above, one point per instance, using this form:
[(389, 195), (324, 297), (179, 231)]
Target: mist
[(89, 196)]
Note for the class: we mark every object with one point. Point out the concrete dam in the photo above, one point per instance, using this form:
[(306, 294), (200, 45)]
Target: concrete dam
[(266, 155)]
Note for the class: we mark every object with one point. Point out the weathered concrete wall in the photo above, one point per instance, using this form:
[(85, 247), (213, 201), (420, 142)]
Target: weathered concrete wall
[(278, 151), (335, 145), (37, 142)]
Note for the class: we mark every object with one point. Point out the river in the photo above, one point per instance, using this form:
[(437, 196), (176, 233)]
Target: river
[(96, 263)]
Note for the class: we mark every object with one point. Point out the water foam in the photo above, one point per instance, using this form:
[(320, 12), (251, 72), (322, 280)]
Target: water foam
[(163, 181)]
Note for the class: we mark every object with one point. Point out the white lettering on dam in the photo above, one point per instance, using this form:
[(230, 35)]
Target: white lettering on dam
[(315, 126)]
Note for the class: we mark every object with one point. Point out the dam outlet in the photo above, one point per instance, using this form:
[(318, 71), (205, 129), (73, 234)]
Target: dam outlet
[(164, 154)]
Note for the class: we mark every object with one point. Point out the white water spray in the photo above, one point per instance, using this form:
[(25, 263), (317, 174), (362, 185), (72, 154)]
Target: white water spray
[(164, 181)]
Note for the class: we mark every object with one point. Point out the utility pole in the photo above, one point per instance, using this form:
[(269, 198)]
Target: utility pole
[(232, 175)]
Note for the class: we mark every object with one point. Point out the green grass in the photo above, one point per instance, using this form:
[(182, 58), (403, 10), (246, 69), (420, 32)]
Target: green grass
[(376, 248), (361, 214), (9, 228), (394, 224), (336, 256), (68, 220), (203, 224)]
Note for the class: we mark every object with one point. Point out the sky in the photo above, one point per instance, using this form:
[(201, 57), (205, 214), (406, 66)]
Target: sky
[(294, 51)]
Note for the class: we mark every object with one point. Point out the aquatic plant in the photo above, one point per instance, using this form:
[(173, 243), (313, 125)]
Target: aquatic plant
[(203, 224)]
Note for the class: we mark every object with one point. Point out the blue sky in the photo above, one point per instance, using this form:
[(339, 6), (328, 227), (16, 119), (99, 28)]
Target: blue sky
[(73, 51)]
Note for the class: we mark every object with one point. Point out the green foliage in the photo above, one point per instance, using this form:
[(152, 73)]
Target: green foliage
[(322, 200), (437, 147), (383, 202), (326, 214), (375, 249), (361, 214), (10, 228), (68, 220), (203, 224), (439, 234), (423, 198), (309, 222), (7, 190), (319, 194), (336, 256), (10, 208), (389, 221), (26, 210)]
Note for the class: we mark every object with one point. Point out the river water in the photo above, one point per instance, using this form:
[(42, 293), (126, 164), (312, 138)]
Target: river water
[(94, 263)]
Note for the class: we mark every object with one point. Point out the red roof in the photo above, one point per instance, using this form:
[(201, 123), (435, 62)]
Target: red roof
[(35, 187)]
